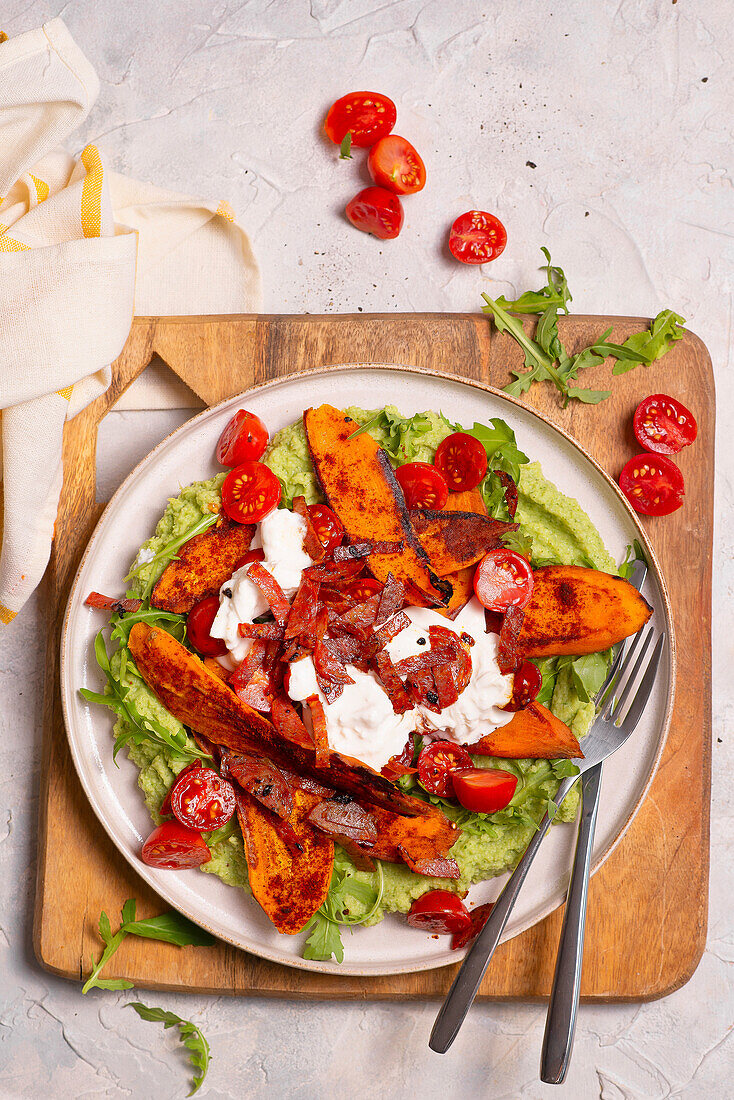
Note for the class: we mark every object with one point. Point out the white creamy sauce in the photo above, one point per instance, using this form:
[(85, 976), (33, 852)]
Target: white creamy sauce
[(240, 600), (361, 721)]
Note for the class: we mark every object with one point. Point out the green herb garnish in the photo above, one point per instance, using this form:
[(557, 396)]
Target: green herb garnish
[(189, 1034), (546, 358), (324, 939), (345, 149), (140, 728), (170, 927)]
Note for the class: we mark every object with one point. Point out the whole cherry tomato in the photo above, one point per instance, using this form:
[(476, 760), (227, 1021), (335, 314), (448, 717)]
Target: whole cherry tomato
[(483, 790), (423, 485), (368, 116), (250, 492), (526, 686), (327, 525), (436, 763), (173, 845), (477, 237), (244, 439), (201, 799), (439, 911), (394, 163), (503, 579), (653, 485), (664, 425), (462, 460), (198, 627), (377, 211), (362, 589)]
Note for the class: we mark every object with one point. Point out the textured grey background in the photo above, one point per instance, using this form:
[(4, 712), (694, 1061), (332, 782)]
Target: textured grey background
[(625, 110)]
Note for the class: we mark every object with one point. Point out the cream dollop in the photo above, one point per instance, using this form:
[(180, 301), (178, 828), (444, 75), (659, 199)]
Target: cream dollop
[(361, 721)]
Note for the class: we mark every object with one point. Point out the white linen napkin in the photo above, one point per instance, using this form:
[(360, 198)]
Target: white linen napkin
[(70, 235)]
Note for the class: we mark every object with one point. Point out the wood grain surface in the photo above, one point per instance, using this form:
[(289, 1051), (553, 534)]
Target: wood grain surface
[(648, 903)]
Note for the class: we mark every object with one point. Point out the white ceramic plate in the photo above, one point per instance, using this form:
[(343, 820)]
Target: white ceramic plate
[(188, 455)]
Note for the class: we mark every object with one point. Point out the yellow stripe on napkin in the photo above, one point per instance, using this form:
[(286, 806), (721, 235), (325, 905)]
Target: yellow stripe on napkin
[(41, 188), (92, 192), (6, 615)]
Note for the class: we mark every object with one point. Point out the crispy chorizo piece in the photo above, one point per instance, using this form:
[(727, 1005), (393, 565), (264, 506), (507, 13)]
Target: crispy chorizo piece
[(203, 564), (575, 610), (533, 732), (289, 875), (199, 699), (360, 485)]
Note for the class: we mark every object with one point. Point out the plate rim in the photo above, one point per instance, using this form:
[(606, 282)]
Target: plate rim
[(329, 967)]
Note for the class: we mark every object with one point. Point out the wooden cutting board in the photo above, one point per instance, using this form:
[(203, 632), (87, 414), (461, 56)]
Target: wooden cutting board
[(648, 903)]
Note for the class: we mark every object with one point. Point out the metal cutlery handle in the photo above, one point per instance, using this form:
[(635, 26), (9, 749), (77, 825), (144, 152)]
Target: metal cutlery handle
[(564, 999), (467, 981)]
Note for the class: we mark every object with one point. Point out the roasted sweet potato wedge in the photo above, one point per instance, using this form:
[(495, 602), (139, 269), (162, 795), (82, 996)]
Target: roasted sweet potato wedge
[(199, 699), (462, 582), (533, 732), (289, 873), (359, 484), (204, 563), (576, 610), (455, 540)]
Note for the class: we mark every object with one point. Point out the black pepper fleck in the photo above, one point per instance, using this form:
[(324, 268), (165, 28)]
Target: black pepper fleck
[(228, 593)]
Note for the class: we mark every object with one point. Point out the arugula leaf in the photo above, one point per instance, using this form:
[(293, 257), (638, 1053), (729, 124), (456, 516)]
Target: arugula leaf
[(546, 359), (189, 1034), (499, 443), (169, 927), (633, 554), (345, 149), (139, 728), (123, 624), (653, 343), (324, 940), (588, 673), (555, 294)]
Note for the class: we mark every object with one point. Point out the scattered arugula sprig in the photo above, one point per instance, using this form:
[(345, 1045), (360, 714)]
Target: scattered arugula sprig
[(139, 727), (546, 358), (324, 940), (345, 149), (170, 927), (189, 1034)]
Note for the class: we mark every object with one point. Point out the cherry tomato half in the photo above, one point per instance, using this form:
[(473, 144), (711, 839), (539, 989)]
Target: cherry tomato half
[(436, 763), (368, 116), (462, 460), (201, 799), (439, 911), (394, 163), (483, 790), (376, 211), (327, 525), (526, 686), (198, 627), (503, 579), (423, 485), (477, 237), (250, 492), (243, 440), (652, 484), (362, 589), (663, 425), (165, 809), (173, 845)]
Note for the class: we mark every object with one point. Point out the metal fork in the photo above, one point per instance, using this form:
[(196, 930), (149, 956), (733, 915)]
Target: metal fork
[(560, 1024), (609, 731)]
